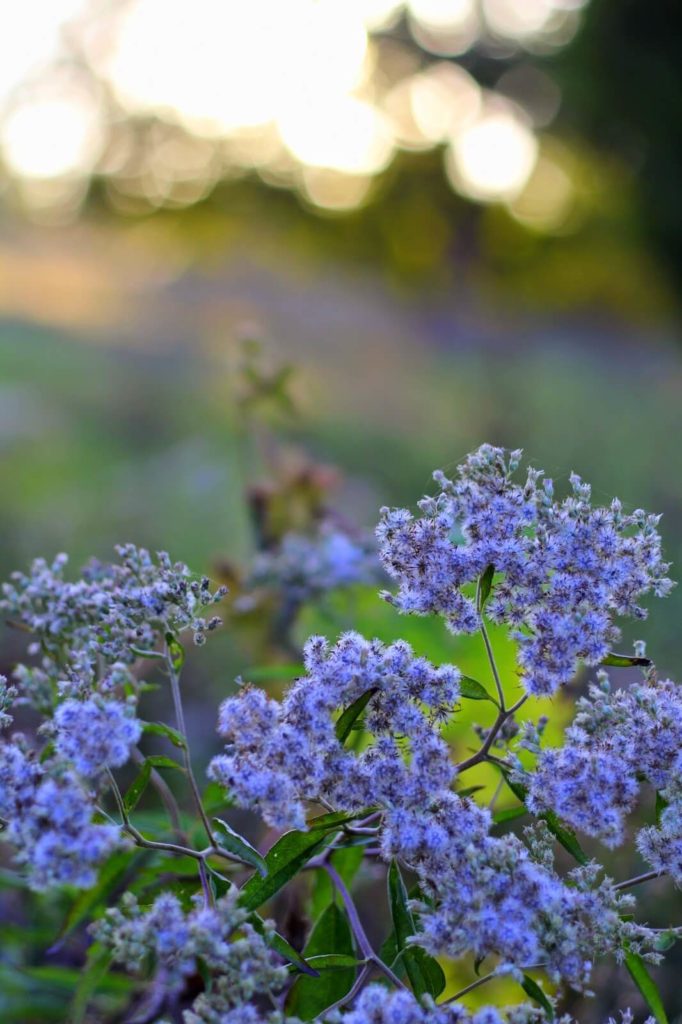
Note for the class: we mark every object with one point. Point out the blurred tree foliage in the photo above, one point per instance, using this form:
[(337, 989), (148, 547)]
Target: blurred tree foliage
[(622, 82)]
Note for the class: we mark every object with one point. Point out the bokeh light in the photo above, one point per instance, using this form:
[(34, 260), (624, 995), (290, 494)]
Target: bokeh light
[(493, 157), (314, 95)]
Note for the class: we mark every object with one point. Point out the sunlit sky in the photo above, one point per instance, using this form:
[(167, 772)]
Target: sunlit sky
[(310, 94)]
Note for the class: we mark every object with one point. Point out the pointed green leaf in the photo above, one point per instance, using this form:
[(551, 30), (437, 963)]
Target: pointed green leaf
[(331, 934), (96, 967), (625, 661), (469, 791), (234, 843), (485, 586), (646, 985), (111, 873), (532, 989), (150, 655), (351, 714), (161, 729), (176, 652), (288, 855), (333, 962), (425, 973), (161, 761), (281, 946), (137, 787), (508, 814), (473, 690)]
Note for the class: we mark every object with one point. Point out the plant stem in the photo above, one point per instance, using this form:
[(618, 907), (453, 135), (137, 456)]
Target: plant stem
[(471, 987), (491, 657), (482, 754), (356, 925), (646, 877), (180, 718), (166, 794), (152, 844), (351, 994)]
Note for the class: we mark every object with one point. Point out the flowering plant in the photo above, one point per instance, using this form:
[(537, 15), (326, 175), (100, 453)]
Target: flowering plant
[(352, 771)]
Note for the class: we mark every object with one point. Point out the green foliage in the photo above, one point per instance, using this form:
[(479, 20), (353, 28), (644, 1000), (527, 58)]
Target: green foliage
[(330, 937), (425, 974)]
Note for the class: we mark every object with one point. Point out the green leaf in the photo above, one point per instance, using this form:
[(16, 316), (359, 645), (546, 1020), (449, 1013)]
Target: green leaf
[(625, 661), (349, 717), (176, 652), (665, 941), (566, 836), (137, 787), (469, 791), (281, 946), (425, 973), (333, 961), (111, 872), (661, 804), (161, 761), (289, 854), (485, 586), (331, 934), (161, 729), (96, 967), (151, 655), (532, 989), (646, 985), (509, 814), (234, 843), (473, 690)]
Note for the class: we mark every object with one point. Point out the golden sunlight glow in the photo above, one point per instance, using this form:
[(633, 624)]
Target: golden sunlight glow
[(52, 135), (493, 157), (220, 65), (343, 134), (30, 38), (299, 91)]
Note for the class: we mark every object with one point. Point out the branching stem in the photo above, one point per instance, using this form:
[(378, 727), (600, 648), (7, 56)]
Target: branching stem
[(482, 754), (357, 927)]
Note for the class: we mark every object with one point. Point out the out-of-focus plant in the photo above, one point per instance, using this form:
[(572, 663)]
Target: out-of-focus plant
[(353, 775)]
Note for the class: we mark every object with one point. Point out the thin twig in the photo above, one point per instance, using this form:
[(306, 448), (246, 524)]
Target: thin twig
[(180, 717), (482, 754), (648, 876), (489, 648), (151, 844)]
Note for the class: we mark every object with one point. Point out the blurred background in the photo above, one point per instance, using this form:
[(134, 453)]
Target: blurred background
[(443, 222)]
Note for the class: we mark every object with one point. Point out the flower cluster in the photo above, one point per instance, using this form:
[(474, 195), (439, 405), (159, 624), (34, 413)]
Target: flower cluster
[(219, 938), (566, 569), (108, 614), (280, 755), (88, 633), (305, 566), (616, 739), (95, 734), (492, 895), (489, 895), (361, 732), (49, 821)]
